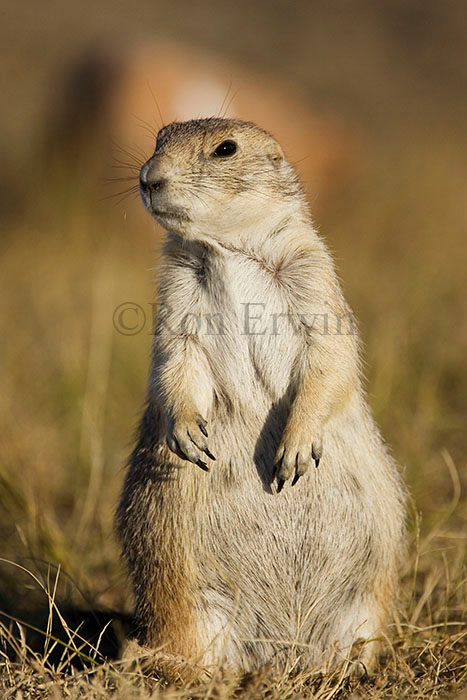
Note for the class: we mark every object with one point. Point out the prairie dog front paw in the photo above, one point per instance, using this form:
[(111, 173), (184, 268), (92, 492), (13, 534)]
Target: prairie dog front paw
[(297, 450), (187, 437)]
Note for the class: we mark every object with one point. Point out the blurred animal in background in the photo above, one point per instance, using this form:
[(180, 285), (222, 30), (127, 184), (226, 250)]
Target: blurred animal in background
[(109, 108)]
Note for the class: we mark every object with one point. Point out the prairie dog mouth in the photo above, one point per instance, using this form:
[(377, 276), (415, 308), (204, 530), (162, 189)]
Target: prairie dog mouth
[(161, 212), (167, 214)]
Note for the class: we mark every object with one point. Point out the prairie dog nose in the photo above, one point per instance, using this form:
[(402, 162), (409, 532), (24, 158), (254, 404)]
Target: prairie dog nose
[(150, 177)]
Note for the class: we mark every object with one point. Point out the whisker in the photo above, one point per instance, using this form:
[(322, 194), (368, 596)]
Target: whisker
[(162, 122), (125, 193), (121, 165), (300, 160), (147, 126), (225, 98), (109, 180), (230, 101), (138, 157), (197, 196), (133, 157), (133, 196)]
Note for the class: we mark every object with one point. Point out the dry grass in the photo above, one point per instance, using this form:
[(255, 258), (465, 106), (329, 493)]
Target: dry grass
[(72, 388)]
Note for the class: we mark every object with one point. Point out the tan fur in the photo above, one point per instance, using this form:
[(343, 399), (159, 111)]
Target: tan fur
[(256, 346)]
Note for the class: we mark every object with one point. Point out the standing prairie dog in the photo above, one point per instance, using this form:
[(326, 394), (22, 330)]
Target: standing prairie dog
[(261, 517)]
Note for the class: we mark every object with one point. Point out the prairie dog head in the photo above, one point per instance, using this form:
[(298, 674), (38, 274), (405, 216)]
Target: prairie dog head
[(218, 180)]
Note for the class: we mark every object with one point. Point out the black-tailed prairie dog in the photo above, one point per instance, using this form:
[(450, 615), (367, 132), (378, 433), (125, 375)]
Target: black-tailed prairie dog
[(261, 517)]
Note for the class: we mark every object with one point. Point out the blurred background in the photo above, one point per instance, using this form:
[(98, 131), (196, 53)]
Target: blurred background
[(369, 100)]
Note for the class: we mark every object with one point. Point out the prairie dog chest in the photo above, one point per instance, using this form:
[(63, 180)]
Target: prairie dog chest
[(256, 338)]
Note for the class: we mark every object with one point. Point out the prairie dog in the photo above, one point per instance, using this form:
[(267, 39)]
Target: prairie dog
[(261, 517)]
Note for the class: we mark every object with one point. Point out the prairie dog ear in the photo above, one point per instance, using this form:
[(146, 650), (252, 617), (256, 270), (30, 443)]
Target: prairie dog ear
[(277, 154)]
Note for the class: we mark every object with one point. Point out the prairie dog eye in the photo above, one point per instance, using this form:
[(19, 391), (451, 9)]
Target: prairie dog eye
[(226, 148)]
